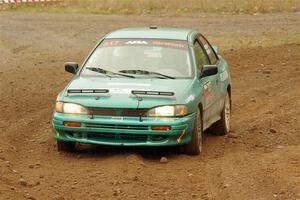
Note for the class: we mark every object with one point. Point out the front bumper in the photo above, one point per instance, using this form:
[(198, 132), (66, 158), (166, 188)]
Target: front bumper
[(123, 131)]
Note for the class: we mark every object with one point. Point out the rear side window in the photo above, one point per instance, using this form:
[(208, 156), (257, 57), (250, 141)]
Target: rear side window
[(210, 52), (201, 58)]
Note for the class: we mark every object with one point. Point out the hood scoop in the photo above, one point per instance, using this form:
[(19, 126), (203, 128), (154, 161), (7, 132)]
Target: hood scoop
[(93, 92), (152, 93)]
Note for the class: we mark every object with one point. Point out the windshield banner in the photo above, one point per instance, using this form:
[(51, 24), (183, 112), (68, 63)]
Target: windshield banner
[(177, 44)]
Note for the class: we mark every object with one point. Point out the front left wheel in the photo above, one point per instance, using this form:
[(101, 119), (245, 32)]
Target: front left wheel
[(195, 145)]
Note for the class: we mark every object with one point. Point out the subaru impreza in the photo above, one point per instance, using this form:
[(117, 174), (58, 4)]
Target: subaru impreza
[(147, 86)]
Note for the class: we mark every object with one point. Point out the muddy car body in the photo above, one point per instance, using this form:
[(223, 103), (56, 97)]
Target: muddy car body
[(147, 86)]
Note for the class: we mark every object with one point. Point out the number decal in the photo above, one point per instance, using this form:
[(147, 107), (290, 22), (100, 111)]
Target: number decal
[(207, 92)]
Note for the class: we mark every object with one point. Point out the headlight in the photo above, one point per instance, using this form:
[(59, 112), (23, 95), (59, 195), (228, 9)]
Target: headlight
[(168, 111), (70, 108)]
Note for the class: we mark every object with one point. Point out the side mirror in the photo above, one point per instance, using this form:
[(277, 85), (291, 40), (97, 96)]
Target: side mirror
[(209, 70), (71, 67), (216, 48)]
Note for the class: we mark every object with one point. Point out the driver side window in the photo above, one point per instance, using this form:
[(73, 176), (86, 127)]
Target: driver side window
[(201, 58), (209, 50)]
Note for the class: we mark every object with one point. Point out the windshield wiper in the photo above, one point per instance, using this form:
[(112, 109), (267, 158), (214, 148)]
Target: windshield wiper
[(145, 72), (107, 73)]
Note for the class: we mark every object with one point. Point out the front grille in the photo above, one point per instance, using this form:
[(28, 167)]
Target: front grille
[(117, 126), (101, 136), (124, 112), (117, 137)]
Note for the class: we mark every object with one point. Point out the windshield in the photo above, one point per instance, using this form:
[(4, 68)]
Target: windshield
[(140, 58)]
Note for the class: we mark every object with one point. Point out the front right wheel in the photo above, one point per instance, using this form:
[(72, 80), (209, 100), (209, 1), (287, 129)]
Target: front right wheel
[(195, 145)]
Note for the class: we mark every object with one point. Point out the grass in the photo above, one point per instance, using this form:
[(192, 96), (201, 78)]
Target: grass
[(161, 6)]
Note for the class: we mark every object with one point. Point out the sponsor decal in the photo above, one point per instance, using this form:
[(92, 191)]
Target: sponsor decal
[(117, 118), (207, 92), (224, 76), (190, 98), (120, 91), (207, 88), (137, 42), (171, 44), (108, 43)]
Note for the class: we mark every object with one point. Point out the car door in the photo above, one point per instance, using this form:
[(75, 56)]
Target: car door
[(214, 81), (202, 60)]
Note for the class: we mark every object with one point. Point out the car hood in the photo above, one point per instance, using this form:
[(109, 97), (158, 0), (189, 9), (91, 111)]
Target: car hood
[(117, 92)]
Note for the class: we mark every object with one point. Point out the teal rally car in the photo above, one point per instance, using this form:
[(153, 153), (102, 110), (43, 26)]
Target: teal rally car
[(148, 86)]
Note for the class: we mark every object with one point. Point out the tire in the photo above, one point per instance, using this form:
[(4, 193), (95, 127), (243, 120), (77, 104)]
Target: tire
[(222, 127), (65, 146), (195, 145)]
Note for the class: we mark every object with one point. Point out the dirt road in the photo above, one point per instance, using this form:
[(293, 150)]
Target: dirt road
[(259, 160)]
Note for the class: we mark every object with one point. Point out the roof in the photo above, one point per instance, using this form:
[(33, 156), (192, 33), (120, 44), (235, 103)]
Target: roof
[(151, 32)]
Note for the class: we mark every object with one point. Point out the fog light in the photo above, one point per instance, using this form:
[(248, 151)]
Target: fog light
[(72, 124), (161, 128)]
